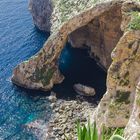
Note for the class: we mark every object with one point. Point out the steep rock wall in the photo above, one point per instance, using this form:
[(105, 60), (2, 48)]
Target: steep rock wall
[(100, 36), (132, 130), (123, 74)]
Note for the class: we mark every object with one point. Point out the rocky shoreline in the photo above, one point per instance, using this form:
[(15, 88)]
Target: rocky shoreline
[(62, 123)]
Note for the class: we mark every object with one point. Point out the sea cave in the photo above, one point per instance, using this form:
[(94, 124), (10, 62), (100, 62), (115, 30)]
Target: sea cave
[(86, 56)]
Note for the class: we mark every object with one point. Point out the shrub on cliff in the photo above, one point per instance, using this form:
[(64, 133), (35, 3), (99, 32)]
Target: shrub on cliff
[(90, 132)]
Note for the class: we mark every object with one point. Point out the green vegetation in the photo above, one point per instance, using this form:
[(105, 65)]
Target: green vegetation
[(110, 132), (125, 80), (68, 8), (135, 21), (138, 97), (47, 76), (138, 102), (87, 133), (43, 75), (122, 96), (90, 132), (116, 137)]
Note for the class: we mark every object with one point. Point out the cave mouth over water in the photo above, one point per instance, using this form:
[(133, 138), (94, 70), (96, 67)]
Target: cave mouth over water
[(90, 44), (78, 67)]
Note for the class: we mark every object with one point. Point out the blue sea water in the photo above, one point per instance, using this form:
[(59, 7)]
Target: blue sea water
[(19, 40)]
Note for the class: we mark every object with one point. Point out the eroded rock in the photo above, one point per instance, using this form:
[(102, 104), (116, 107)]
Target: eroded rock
[(100, 36), (132, 130), (52, 98), (117, 103)]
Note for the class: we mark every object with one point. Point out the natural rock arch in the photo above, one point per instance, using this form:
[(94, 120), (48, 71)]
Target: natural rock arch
[(41, 71), (100, 35)]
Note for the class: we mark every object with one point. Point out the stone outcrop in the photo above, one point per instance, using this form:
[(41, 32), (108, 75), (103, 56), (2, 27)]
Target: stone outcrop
[(123, 75), (104, 27), (41, 11)]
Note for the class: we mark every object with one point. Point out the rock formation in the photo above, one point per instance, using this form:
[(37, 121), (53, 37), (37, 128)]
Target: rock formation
[(103, 27), (41, 71), (132, 130), (41, 11), (84, 90)]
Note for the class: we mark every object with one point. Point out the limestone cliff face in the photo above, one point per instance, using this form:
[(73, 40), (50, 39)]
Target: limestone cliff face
[(104, 27), (100, 35), (123, 76), (120, 105), (132, 130)]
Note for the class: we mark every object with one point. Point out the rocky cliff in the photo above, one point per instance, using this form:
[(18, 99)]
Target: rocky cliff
[(111, 30), (41, 12)]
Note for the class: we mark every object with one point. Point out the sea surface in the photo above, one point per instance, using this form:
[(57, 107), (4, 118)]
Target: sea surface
[(19, 40)]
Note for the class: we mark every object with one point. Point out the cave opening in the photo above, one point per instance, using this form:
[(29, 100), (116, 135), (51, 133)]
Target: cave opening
[(87, 56), (78, 67)]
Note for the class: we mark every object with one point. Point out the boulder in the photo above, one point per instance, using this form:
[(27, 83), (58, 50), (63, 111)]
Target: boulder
[(52, 98), (84, 90)]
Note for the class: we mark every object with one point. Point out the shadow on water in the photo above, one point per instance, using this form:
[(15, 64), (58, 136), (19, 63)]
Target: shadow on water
[(77, 67)]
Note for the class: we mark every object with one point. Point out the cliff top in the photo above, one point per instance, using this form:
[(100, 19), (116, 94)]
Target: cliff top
[(66, 9)]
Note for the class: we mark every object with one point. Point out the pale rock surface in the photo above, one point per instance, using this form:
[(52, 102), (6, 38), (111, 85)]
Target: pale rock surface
[(84, 90)]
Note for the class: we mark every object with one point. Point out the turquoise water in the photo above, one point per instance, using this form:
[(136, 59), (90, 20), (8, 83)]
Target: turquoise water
[(18, 41)]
